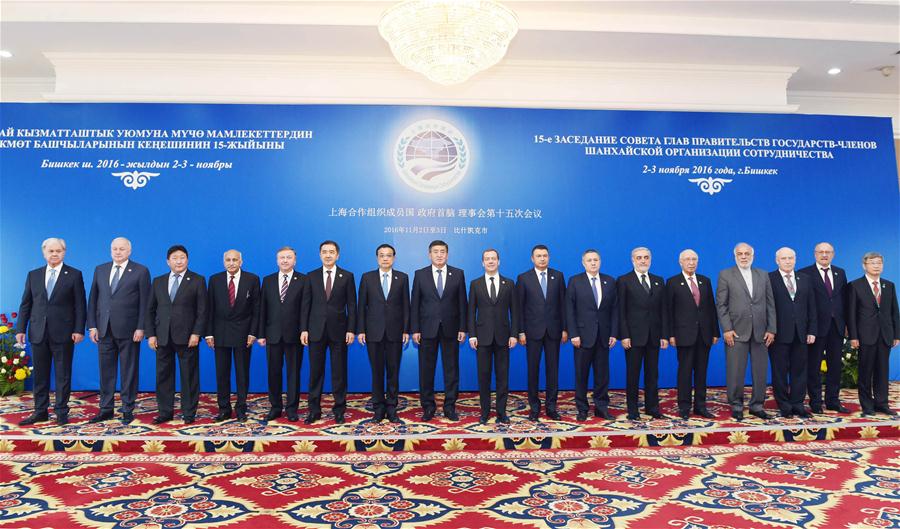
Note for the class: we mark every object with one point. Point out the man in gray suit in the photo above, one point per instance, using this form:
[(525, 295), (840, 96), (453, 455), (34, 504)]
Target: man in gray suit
[(746, 309)]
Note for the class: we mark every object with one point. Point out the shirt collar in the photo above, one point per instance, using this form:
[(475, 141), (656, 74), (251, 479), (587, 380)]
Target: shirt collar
[(687, 277), (57, 267), (870, 280), (434, 269), (389, 272), (333, 269), (237, 275), (124, 265)]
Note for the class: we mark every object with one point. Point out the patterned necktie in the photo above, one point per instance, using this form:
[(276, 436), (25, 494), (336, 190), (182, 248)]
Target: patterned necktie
[(877, 293), (284, 287), (828, 286), (644, 283), (544, 284), (440, 284), (51, 282), (231, 292), (596, 294), (174, 289), (384, 284), (694, 290), (115, 280), (328, 285), (790, 286), (493, 290)]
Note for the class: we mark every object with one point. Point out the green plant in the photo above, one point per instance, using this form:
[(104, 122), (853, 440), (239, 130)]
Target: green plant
[(850, 374), (14, 368)]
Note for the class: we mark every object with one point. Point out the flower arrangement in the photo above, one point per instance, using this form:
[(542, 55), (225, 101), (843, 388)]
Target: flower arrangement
[(14, 368)]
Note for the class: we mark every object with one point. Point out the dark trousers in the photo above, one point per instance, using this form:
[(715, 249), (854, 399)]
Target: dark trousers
[(118, 355), (289, 355), (873, 376), (224, 356), (533, 348), (496, 356), (428, 353), (338, 350), (648, 357), (789, 361), (188, 368), (594, 359), (692, 363), (60, 355), (384, 357), (828, 348)]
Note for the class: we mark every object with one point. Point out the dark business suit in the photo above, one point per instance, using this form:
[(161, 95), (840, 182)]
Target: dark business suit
[(829, 342), (384, 320), (279, 325), (642, 318), (51, 323), (876, 327), (173, 322), (493, 321), (328, 322), (117, 315), (794, 320), (594, 325), (543, 321), (229, 326), (439, 319), (693, 326)]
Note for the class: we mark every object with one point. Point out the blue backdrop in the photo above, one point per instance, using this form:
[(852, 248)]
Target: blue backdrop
[(257, 177)]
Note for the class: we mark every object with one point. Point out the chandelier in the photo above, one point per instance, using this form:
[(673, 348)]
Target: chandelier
[(448, 40)]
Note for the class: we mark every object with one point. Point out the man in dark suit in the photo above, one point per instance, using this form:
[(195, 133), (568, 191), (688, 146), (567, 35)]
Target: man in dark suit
[(592, 316), (284, 294), (233, 321), (643, 330), (53, 312), (829, 285), (176, 319), (873, 322), (694, 328), (493, 328), (331, 320), (438, 318), (746, 309), (116, 309), (542, 300), (795, 331), (383, 327)]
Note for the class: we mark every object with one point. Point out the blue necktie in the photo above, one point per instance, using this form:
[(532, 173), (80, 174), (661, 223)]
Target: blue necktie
[(384, 285), (440, 284), (174, 289), (51, 282), (544, 284), (596, 294), (115, 280)]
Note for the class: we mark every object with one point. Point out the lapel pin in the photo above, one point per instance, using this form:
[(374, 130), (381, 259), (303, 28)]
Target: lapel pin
[(552, 277), (395, 277), (66, 272), (188, 278), (449, 273), (340, 275), (655, 283), (682, 283)]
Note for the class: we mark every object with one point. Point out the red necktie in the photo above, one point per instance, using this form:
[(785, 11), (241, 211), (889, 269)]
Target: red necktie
[(877, 293), (231, 291), (694, 291)]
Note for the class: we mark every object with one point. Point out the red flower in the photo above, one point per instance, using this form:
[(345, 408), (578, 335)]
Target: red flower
[(13, 315)]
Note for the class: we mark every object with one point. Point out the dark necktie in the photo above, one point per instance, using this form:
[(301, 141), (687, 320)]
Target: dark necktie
[(596, 294), (231, 295), (115, 280), (328, 286), (544, 284), (493, 290), (174, 289), (694, 290), (440, 284), (284, 287), (644, 283), (828, 286)]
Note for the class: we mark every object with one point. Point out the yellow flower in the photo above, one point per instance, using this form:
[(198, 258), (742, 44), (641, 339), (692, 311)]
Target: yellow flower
[(3, 329), (21, 374), (824, 367)]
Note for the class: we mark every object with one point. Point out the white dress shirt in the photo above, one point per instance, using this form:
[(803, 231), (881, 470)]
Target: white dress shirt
[(434, 275), (390, 277), (487, 282), (747, 274), (325, 275), (112, 270), (58, 269), (237, 281), (599, 283)]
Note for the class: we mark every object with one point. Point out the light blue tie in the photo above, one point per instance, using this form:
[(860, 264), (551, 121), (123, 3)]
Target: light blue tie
[(440, 284), (174, 289), (384, 285), (596, 294), (544, 284), (115, 280), (51, 282)]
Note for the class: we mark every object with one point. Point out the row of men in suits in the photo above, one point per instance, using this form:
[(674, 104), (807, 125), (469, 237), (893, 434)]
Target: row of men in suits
[(798, 319)]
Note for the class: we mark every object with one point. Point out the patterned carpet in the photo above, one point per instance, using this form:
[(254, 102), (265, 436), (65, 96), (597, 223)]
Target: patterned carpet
[(837, 484)]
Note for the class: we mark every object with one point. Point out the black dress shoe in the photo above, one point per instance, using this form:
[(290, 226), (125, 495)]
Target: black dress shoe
[(223, 416), (451, 415), (840, 408), (533, 416), (865, 413), (62, 420), (273, 414), (378, 417), (737, 415), (242, 417), (761, 414), (34, 418), (127, 418), (658, 416), (684, 414), (633, 417), (292, 416), (582, 416), (817, 409), (393, 419), (483, 420), (803, 414), (427, 415), (161, 419), (503, 419), (554, 415), (886, 411), (603, 414), (188, 420), (100, 417), (705, 414), (312, 417), (339, 418), (783, 414)]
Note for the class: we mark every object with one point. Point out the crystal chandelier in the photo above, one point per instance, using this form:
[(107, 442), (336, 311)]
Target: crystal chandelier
[(448, 40)]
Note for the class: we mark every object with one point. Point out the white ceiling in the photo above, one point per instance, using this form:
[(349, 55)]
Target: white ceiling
[(858, 36)]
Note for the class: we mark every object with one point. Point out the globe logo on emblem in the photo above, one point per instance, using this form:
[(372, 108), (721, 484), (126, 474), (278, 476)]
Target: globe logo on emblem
[(431, 156)]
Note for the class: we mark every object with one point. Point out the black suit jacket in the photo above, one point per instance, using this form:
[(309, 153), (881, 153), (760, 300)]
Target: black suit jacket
[(337, 314), (181, 318), (121, 311), (281, 322), (642, 317), (380, 318), (686, 319), (58, 317), (493, 322), (866, 321), (428, 311), (228, 325), (793, 318), (584, 319), (828, 308), (542, 316)]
